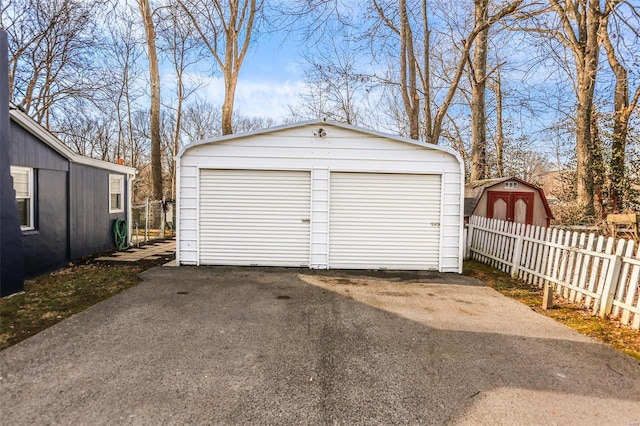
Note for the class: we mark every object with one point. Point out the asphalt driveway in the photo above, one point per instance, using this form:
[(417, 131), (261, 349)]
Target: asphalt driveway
[(227, 345)]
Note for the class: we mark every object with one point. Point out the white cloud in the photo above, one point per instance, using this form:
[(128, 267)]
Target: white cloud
[(256, 98)]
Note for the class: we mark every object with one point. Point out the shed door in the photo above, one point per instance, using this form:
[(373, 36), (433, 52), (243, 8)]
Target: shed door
[(510, 206), (254, 217), (380, 221)]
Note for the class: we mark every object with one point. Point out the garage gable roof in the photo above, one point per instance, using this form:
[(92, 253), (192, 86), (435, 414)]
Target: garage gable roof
[(320, 123)]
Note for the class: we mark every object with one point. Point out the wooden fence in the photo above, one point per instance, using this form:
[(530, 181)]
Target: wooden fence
[(597, 272)]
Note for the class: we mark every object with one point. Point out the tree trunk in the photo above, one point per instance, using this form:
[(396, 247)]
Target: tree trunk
[(597, 169), (581, 22), (227, 106), (408, 77), (584, 155), (176, 136), (478, 88), (622, 112), (585, 148), (499, 127), (154, 117), (426, 73), (216, 29), (619, 140)]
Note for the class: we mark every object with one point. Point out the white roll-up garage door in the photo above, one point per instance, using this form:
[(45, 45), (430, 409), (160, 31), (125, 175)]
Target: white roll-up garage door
[(254, 217), (384, 220)]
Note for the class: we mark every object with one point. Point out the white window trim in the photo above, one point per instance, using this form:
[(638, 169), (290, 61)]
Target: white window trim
[(29, 171), (121, 180)]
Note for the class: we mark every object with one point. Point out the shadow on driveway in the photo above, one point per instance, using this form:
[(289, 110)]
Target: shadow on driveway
[(214, 345)]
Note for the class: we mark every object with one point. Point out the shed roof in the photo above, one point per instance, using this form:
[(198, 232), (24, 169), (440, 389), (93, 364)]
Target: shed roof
[(36, 129), (474, 190), (324, 123)]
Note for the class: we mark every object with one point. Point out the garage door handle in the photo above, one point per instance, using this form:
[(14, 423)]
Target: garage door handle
[(435, 223), (306, 220)]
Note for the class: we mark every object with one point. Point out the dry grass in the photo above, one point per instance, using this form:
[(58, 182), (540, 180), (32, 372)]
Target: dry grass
[(605, 330), (48, 299)]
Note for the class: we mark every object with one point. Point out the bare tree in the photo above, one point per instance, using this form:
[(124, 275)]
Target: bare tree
[(243, 123), (523, 160), (478, 88), (51, 45), (89, 136), (226, 28), (408, 84), (182, 47), (123, 48), (336, 89), (409, 64), (623, 104), (577, 27), (201, 120), (154, 80)]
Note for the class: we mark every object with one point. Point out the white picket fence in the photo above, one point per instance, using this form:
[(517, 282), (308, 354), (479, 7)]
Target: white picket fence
[(600, 273)]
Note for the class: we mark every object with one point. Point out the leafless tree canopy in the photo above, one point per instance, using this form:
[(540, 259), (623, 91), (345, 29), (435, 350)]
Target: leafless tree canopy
[(530, 88)]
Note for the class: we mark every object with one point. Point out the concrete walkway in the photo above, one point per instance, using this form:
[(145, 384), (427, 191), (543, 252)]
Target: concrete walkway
[(231, 345), (151, 251)]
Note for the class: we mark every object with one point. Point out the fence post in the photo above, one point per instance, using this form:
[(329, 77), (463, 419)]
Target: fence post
[(146, 220), (162, 218), (467, 252), (517, 254), (609, 288), (547, 297)]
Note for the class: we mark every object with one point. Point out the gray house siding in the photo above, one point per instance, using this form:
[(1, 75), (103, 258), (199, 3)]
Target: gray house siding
[(91, 223)]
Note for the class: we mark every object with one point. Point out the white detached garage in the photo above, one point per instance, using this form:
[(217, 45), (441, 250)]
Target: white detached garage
[(321, 195)]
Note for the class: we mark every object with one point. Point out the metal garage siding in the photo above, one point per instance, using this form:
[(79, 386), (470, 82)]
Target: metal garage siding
[(381, 220), (254, 217)]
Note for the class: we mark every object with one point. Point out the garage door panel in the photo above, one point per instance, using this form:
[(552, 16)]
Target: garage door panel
[(386, 221), (254, 217)]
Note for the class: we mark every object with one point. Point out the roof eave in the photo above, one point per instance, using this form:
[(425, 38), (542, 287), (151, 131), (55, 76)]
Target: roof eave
[(319, 123), (37, 130)]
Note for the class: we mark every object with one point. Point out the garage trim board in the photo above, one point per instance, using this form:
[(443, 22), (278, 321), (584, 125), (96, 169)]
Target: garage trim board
[(352, 198)]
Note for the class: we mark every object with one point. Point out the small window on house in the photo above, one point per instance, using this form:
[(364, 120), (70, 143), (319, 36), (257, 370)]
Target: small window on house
[(116, 193), (23, 186), (511, 185)]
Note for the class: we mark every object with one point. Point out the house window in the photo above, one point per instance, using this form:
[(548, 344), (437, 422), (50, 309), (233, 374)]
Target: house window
[(23, 186), (511, 185), (116, 193)]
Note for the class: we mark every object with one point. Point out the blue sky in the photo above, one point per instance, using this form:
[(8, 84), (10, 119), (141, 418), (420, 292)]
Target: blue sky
[(270, 79)]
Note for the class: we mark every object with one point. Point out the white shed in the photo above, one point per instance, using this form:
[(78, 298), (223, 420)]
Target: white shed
[(323, 195)]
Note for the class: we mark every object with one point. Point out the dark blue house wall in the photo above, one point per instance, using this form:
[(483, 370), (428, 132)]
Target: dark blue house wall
[(91, 223), (29, 151), (71, 205), (11, 249), (47, 246)]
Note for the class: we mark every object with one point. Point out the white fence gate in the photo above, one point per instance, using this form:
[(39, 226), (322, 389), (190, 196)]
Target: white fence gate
[(598, 272)]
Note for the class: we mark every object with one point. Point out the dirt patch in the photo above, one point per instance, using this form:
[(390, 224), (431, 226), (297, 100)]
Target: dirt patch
[(398, 293), (347, 281), (434, 304)]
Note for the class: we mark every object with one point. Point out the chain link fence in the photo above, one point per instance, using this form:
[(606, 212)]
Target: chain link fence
[(153, 220)]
